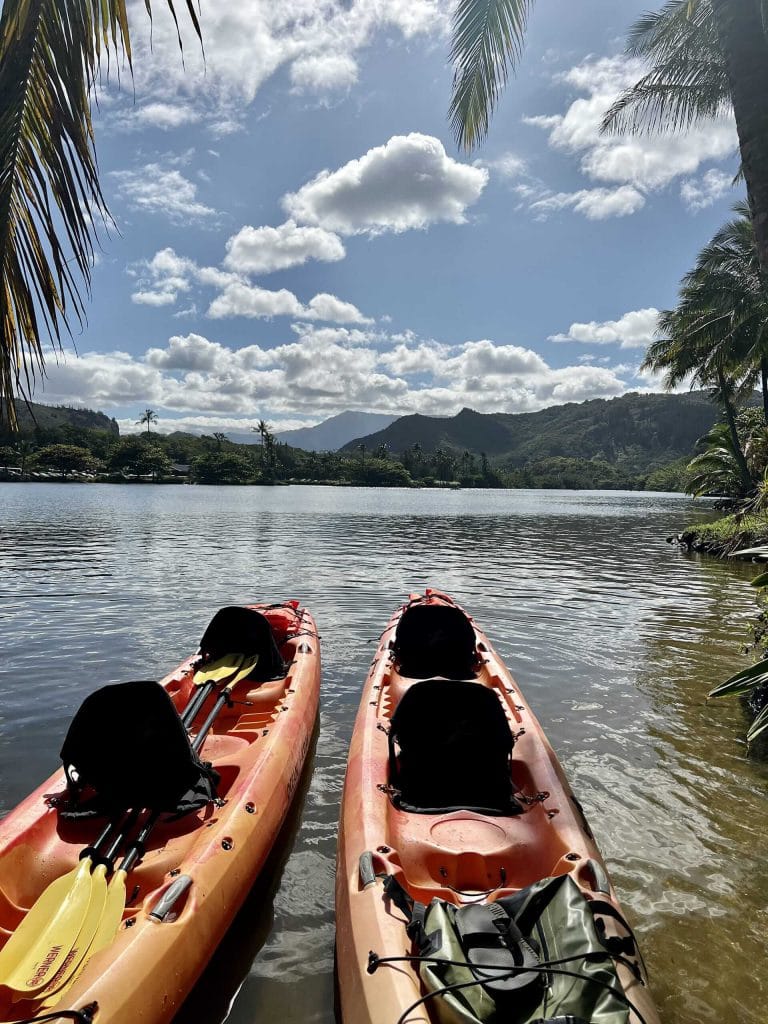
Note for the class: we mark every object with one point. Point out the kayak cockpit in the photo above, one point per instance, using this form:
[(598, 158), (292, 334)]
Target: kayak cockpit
[(449, 749)]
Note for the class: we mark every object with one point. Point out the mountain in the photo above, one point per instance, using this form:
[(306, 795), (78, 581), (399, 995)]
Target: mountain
[(639, 431), (335, 432), (52, 417)]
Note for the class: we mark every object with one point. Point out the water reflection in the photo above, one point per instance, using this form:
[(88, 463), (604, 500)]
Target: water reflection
[(614, 635)]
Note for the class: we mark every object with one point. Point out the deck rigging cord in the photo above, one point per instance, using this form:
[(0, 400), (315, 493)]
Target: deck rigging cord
[(545, 967)]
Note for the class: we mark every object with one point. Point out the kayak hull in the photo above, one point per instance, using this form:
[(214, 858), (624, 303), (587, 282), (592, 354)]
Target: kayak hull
[(258, 746), (461, 856)]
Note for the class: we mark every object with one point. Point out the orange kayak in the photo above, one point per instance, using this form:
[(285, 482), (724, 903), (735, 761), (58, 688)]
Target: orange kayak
[(192, 873), (455, 810)]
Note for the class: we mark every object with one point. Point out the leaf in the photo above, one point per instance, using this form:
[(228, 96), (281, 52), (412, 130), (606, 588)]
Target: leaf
[(759, 725), (487, 43), (759, 551), (760, 581), (743, 681)]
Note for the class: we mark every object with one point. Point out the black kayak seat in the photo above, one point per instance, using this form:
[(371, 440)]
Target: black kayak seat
[(127, 747), (239, 630), (450, 746), (435, 640)]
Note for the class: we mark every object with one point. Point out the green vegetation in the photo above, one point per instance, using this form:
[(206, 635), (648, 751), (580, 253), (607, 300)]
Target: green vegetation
[(638, 458), (622, 443)]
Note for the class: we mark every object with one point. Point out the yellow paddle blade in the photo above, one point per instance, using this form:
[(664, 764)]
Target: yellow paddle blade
[(249, 664), (112, 917), (69, 970), (219, 670), (41, 943), (109, 921)]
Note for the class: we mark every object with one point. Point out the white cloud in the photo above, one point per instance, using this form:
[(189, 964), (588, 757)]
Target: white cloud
[(321, 72), (264, 249), (163, 279), (637, 164), (247, 42), (410, 182), (240, 299), (698, 193), (321, 371), (594, 203), (157, 190), (506, 166), (635, 329), (327, 307), (159, 115)]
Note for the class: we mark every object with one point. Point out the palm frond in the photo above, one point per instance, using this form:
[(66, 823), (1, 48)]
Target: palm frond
[(742, 682), (487, 43), (687, 81), (50, 195)]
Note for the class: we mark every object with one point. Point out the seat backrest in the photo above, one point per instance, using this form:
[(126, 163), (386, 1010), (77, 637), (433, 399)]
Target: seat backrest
[(128, 744), (454, 748), (435, 640), (239, 630)]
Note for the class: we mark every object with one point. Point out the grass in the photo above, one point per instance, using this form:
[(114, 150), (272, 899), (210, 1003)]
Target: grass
[(727, 535)]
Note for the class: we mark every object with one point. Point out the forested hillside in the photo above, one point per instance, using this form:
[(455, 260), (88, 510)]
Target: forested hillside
[(637, 432)]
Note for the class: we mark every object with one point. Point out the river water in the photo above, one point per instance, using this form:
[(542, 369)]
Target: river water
[(614, 636)]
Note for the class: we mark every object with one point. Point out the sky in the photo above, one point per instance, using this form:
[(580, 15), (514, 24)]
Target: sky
[(296, 233)]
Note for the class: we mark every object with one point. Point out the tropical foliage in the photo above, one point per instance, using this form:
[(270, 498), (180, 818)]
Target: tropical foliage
[(687, 81), (51, 54)]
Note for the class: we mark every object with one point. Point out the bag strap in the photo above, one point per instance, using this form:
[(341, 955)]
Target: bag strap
[(414, 911)]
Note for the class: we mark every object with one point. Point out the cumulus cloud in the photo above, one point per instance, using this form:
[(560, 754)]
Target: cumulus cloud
[(161, 191), (163, 279), (698, 193), (240, 299), (633, 165), (320, 371), (635, 329), (409, 182), (264, 249)]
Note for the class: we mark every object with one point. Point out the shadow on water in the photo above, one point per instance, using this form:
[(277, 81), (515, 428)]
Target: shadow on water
[(217, 988)]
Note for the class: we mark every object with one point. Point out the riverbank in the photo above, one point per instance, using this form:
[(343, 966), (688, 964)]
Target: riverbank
[(727, 535)]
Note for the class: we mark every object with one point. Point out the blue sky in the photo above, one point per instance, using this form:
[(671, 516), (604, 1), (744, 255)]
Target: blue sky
[(297, 233)]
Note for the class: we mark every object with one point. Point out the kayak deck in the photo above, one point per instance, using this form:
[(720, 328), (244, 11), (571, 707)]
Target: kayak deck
[(459, 855), (258, 747)]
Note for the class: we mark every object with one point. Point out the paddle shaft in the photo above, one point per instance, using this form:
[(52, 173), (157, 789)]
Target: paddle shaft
[(136, 848)]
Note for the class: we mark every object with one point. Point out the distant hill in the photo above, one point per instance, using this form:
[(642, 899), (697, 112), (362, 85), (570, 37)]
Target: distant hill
[(335, 432), (52, 417), (636, 431)]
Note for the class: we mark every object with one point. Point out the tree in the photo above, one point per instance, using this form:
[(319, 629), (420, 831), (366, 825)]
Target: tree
[(140, 456), (223, 467), (697, 344), (149, 416), (66, 459), (50, 196), (487, 42)]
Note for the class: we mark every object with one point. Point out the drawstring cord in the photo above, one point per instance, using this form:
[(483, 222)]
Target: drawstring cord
[(547, 967)]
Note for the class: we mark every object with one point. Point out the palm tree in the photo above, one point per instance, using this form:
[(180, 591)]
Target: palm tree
[(697, 343), (731, 265), (487, 42), (149, 416), (50, 57)]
